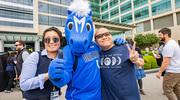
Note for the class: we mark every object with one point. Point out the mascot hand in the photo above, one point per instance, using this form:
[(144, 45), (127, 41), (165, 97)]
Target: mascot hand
[(56, 69), (119, 41)]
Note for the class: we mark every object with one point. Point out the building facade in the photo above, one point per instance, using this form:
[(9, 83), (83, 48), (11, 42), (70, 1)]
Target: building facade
[(27, 19), (148, 15)]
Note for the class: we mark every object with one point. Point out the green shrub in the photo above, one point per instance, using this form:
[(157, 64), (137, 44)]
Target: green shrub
[(149, 53), (147, 64), (150, 62), (143, 52)]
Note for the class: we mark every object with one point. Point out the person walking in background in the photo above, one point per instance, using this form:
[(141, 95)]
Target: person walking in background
[(34, 80), (22, 55), (139, 70), (171, 62), (117, 68), (159, 58), (11, 62)]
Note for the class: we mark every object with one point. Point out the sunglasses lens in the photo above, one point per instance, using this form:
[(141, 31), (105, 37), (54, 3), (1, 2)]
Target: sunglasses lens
[(106, 34), (55, 40), (99, 36), (47, 40)]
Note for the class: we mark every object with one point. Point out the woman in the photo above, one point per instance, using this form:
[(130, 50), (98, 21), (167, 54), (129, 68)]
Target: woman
[(139, 71), (34, 76), (11, 62)]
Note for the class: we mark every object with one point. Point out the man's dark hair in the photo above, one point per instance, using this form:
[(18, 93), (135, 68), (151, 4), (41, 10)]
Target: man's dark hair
[(165, 31), (21, 42), (52, 29)]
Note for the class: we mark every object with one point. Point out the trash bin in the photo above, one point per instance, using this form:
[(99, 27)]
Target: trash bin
[(4, 78)]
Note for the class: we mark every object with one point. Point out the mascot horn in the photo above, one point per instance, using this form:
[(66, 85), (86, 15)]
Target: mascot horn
[(79, 28)]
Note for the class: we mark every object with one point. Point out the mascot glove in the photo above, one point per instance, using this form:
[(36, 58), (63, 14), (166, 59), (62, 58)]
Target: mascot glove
[(119, 41), (56, 69)]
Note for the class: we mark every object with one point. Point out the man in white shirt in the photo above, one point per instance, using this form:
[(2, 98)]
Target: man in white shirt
[(171, 62)]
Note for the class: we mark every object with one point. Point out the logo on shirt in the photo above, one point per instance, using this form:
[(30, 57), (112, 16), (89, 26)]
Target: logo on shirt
[(90, 56), (110, 61)]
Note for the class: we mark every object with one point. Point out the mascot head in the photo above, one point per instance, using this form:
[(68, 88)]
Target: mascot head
[(79, 28)]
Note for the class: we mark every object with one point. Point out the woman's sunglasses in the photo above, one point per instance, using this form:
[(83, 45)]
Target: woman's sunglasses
[(48, 40), (103, 34)]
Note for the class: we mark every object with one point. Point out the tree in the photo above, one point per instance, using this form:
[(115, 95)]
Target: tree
[(146, 40)]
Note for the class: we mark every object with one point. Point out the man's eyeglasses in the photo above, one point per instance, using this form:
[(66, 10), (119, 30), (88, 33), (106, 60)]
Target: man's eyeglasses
[(103, 34), (48, 40), (17, 45)]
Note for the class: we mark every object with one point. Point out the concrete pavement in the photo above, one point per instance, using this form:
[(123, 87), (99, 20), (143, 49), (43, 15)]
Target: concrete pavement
[(151, 85)]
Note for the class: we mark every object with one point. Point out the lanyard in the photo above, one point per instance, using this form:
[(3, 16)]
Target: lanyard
[(49, 61)]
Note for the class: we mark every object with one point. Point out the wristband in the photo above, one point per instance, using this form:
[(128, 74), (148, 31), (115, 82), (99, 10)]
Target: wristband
[(135, 61)]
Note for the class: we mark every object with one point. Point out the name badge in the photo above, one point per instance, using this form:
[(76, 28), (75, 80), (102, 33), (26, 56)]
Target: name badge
[(55, 95)]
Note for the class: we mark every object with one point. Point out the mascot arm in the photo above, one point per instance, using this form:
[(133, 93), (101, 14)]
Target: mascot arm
[(95, 44), (60, 70), (119, 41)]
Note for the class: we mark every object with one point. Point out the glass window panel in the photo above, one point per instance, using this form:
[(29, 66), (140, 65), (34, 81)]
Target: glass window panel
[(160, 7), (64, 11), (55, 1), (126, 7), (105, 16), (65, 2), (126, 18), (113, 3), (54, 9), (63, 22), (2, 23), (104, 7), (43, 7), (43, 20), (2, 13), (114, 12)]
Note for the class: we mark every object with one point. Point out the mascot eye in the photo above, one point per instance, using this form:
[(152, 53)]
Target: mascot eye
[(88, 26), (70, 25)]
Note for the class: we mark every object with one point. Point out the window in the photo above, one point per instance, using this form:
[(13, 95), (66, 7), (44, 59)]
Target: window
[(42, 7), (64, 11), (104, 7), (177, 3), (65, 2), (160, 7), (105, 16), (138, 3), (113, 3), (115, 20), (166, 21), (43, 20), (126, 18), (54, 9), (126, 7), (54, 21), (141, 13), (102, 1), (114, 12)]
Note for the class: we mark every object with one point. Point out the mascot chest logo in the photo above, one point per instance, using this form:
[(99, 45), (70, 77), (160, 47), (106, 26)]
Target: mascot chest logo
[(76, 20)]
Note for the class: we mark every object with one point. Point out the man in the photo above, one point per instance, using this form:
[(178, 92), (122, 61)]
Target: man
[(171, 62), (22, 55), (117, 68)]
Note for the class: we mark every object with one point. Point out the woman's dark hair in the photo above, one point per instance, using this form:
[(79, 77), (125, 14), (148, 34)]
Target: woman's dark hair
[(10, 57), (52, 29), (131, 42)]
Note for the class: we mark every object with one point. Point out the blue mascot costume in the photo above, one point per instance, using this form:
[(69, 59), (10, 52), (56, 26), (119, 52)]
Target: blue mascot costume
[(79, 68)]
